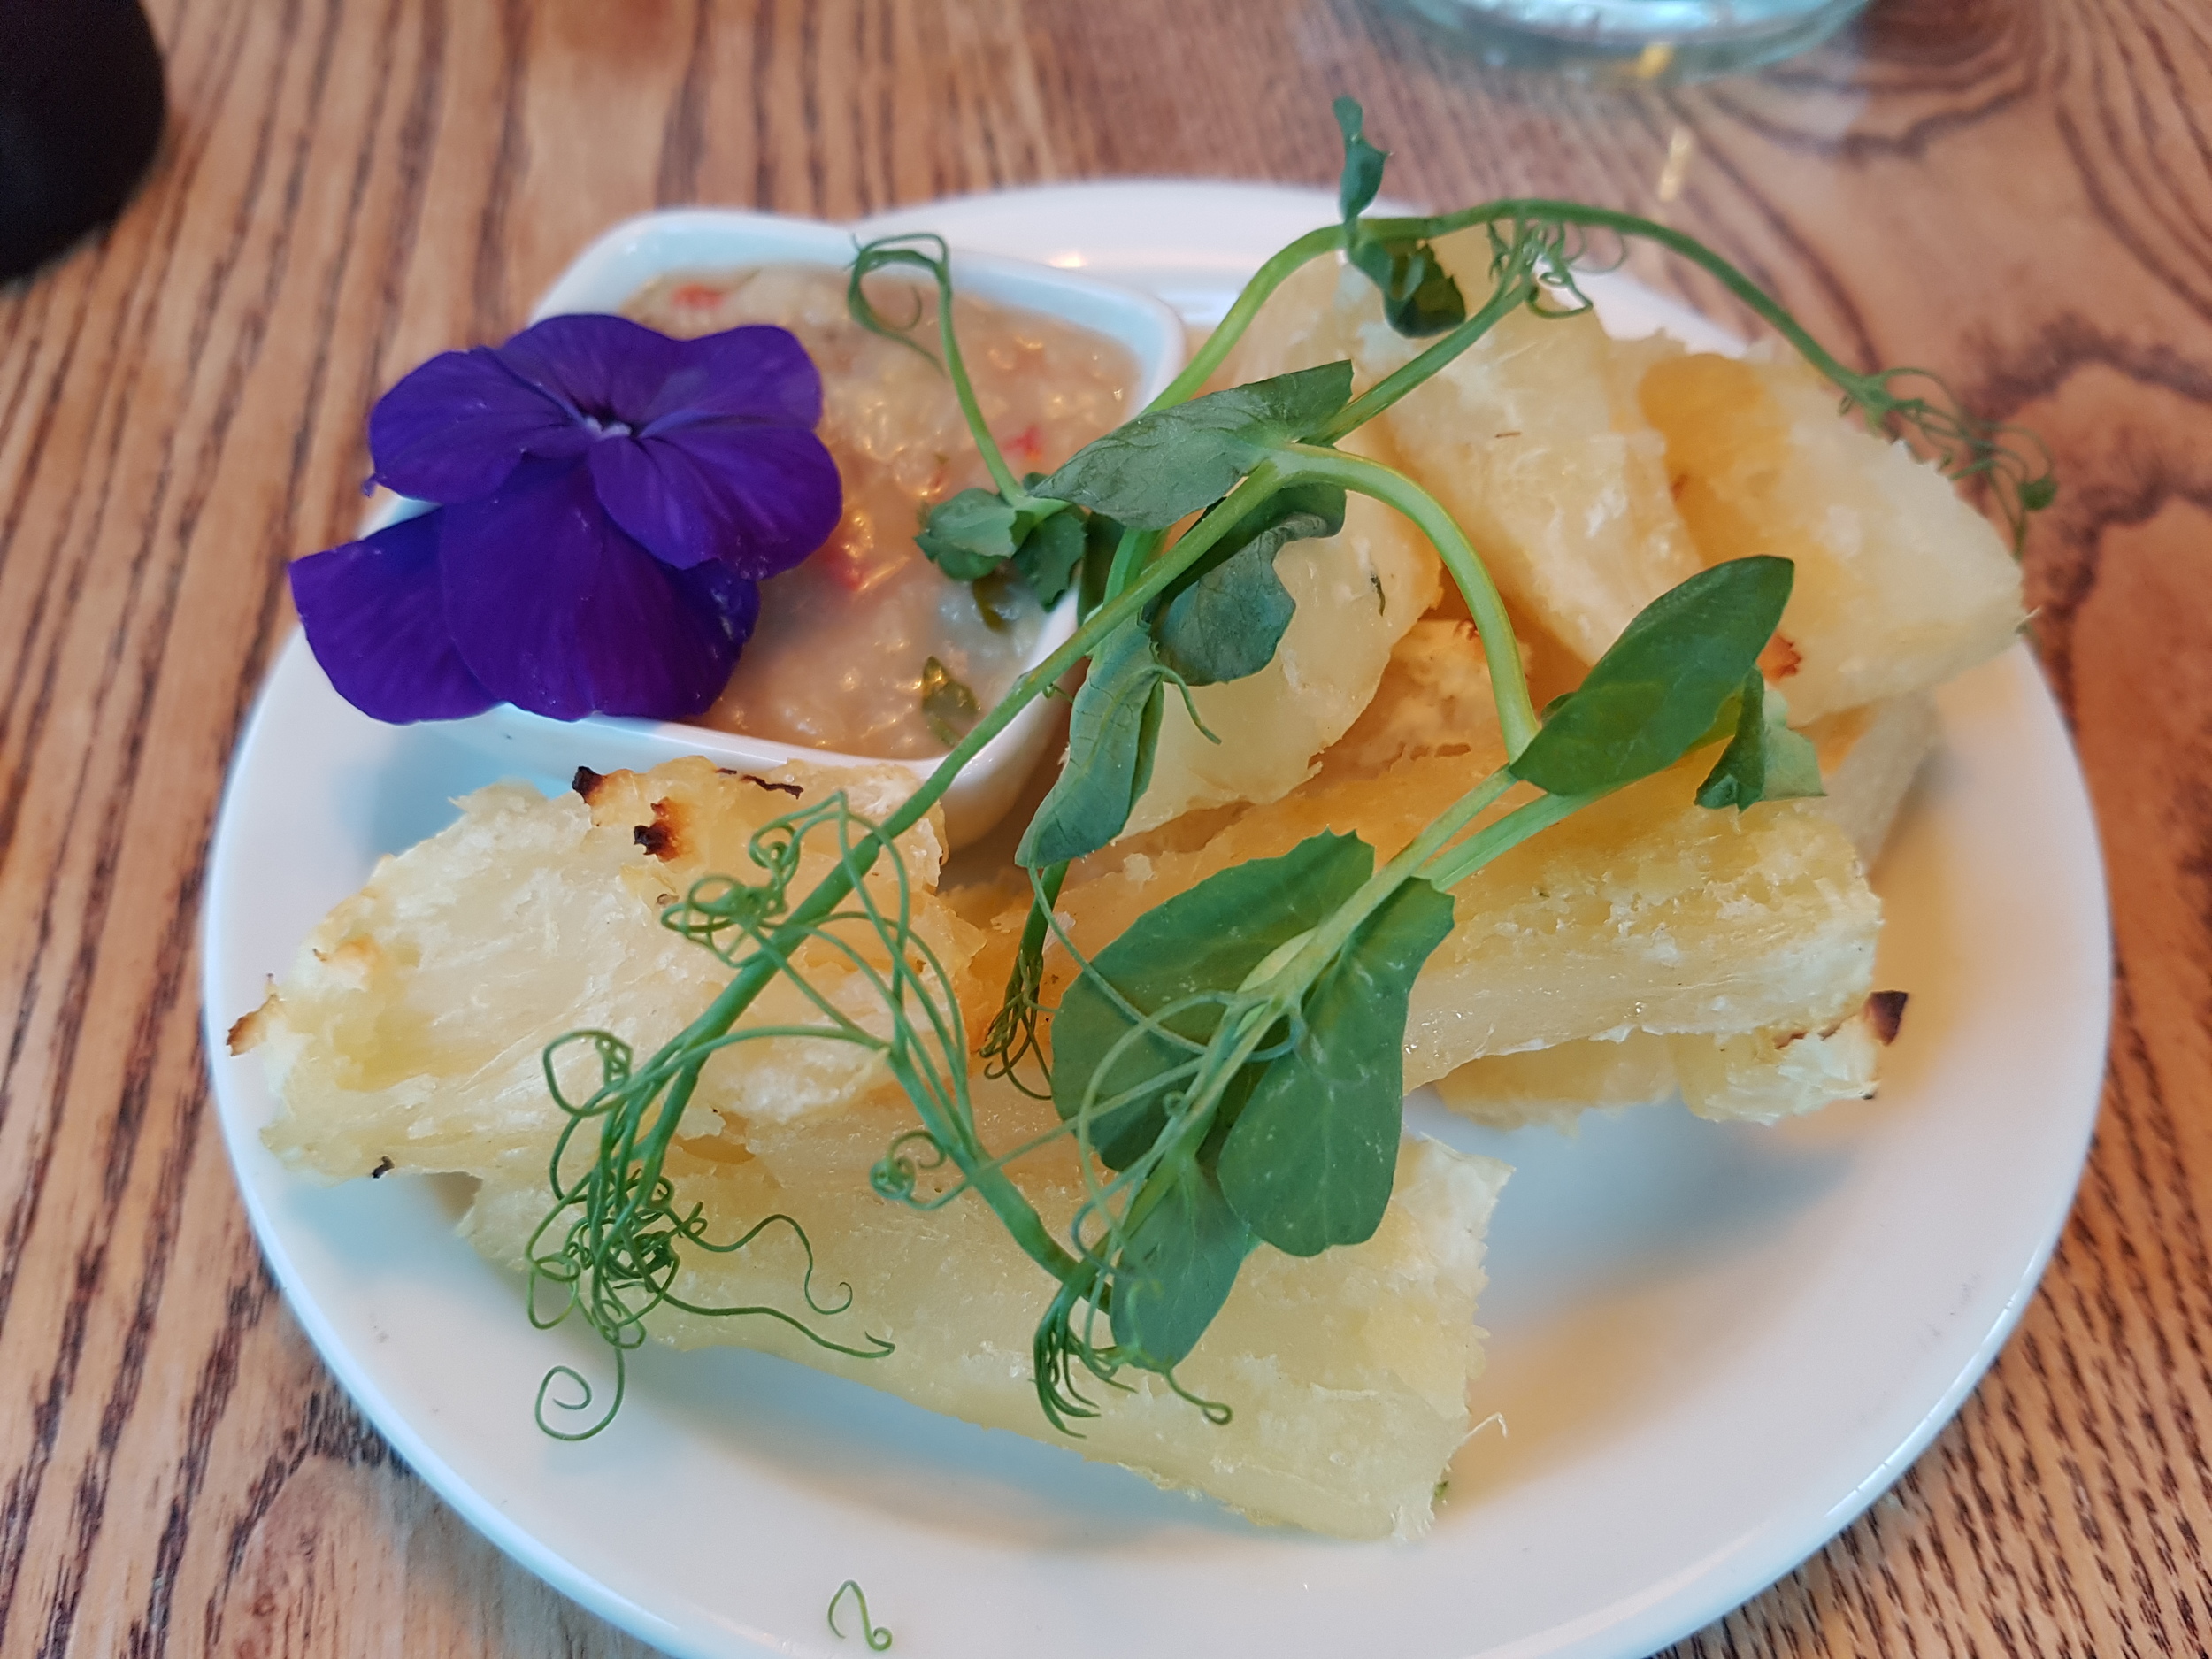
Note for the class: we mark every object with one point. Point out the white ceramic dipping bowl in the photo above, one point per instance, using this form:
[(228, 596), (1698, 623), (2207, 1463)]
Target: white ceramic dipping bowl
[(631, 254)]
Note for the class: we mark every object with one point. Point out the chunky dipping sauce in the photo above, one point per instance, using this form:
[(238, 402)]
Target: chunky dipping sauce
[(838, 658)]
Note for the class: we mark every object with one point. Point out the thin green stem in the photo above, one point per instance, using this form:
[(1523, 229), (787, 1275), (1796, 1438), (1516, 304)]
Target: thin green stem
[(1675, 241), (1218, 1068), (1448, 869), (1137, 547), (1508, 295), (1516, 713), (1270, 276), (1009, 487), (891, 250), (1046, 892), (1965, 447), (1322, 945)]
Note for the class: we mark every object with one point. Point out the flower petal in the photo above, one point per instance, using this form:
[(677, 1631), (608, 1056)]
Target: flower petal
[(374, 612), (558, 612), (602, 366), (722, 593), (758, 499), (612, 369), (455, 427), (758, 373)]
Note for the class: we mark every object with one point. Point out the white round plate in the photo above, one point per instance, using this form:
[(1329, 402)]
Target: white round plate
[(1712, 1345)]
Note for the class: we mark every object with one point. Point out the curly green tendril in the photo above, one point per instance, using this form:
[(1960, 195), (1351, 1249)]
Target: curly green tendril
[(877, 1636)]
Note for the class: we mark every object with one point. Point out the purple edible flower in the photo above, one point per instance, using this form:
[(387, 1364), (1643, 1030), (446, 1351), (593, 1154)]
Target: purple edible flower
[(608, 501)]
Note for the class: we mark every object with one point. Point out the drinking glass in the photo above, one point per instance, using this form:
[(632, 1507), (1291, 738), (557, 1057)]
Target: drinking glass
[(1651, 40)]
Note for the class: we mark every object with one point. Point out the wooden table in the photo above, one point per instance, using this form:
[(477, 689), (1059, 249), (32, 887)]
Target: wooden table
[(2018, 192)]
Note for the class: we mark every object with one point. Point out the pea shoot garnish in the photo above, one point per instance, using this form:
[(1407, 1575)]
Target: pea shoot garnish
[(877, 1636), (1229, 1068)]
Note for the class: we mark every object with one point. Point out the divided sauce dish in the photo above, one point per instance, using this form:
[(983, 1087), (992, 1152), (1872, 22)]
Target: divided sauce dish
[(632, 256)]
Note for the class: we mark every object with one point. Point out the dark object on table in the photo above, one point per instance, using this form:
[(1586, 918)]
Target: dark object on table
[(81, 112)]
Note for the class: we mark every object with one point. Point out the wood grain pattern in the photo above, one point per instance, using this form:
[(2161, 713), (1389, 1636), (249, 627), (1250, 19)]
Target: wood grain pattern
[(2015, 192)]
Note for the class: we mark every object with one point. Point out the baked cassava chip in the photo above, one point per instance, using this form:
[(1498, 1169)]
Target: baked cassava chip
[(408, 1037)]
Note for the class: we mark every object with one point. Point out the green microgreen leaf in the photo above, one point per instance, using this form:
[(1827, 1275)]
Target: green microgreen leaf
[(971, 534), (1144, 1000), (1363, 177), (947, 706), (1655, 696), (1113, 731), (1049, 555), (1159, 466), (1312, 1156), (976, 533), (1223, 618), (1764, 760), (1178, 1263), (1419, 297)]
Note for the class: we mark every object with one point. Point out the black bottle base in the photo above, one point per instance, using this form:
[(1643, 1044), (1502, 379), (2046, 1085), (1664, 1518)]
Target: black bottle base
[(81, 108)]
